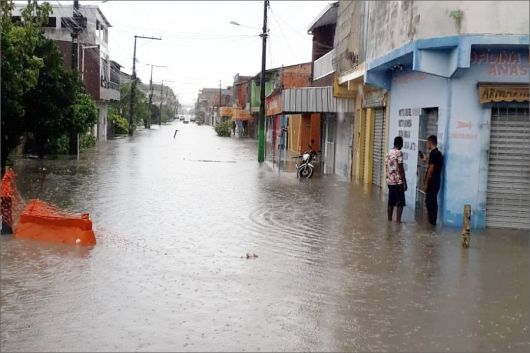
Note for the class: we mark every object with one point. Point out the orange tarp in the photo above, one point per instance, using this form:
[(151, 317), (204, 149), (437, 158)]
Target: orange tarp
[(41, 221)]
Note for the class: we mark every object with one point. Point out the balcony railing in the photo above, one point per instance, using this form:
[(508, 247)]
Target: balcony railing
[(110, 85), (323, 66), (109, 91)]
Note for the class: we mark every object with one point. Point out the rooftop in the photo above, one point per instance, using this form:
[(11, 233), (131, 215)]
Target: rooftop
[(328, 16)]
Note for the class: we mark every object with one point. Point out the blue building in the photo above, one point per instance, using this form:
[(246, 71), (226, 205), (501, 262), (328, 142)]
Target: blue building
[(458, 70)]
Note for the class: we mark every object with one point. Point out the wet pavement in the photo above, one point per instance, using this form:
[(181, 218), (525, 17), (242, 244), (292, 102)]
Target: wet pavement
[(174, 219)]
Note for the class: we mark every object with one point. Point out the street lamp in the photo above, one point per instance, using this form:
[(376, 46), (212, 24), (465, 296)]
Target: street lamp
[(133, 84), (235, 23)]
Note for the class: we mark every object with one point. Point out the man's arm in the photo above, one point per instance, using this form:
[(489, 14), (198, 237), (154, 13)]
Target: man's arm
[(402, 174), (428, 177)]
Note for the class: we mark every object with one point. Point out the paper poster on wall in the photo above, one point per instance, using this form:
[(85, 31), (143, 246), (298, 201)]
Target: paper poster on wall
[(410, 140)]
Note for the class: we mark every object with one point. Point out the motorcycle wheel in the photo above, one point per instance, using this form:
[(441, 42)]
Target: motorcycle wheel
[(305, 171)]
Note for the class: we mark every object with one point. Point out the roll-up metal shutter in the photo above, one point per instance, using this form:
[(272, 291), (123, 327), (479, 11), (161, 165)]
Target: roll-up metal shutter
[(508, 195), (377, 165)]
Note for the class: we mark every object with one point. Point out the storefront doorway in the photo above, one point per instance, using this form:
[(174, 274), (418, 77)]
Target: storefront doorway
[(428, 125), (508, 194)]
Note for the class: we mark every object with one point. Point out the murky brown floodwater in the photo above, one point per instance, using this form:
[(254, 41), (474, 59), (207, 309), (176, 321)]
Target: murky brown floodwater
[(173, 218)]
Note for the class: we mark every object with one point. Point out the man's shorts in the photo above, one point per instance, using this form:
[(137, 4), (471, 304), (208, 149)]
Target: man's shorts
[(396, 195)]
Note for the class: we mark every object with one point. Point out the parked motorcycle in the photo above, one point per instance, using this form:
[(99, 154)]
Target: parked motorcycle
[(304, 168)]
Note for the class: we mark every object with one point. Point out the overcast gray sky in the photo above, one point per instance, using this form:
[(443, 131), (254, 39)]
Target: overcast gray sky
[(199, 44)]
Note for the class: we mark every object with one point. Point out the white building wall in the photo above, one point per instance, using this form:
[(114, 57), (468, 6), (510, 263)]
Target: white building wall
[(463, 127), (392, 24), (414, 91), (101, 125), (90, 35), (478, 17)]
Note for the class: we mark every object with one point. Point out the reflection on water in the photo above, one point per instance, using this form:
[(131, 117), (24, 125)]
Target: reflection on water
[(173, 218)]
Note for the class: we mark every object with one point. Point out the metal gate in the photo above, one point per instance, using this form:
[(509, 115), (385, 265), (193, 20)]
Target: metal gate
[(377, 166), (428, 126), (329, 136), (508, 195), (344, 146)]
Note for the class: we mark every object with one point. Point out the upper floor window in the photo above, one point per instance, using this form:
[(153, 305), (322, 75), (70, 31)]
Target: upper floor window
[(52, 22), (101, 31)]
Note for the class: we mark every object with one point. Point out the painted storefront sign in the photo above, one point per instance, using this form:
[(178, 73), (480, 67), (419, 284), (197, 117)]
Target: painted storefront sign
[(501, 62), (240, 114), (226, 111), (503, 93)]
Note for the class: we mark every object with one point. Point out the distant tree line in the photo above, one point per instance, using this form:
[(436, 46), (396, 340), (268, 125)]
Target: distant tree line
[(119, 111)]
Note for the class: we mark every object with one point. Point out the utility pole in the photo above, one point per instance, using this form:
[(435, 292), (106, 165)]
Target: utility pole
[(133, 91), (147, 123), (168, 104), (133, 84), (261, 122), (160, 112), (161, 93), (197, 108), (75, 35), (76, 29), (220, 100)]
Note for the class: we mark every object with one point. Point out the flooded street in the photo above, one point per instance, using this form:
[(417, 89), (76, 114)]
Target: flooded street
[(174, 218)]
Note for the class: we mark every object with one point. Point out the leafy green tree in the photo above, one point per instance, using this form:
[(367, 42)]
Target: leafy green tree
[(120, 124), (83, 113), (155, 113), (20, 67), (141, 108), (38, 96), (223, 128), (167, 113), (200, 116), (48, 103)]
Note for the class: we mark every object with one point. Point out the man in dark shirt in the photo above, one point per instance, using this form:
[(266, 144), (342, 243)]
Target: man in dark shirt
[(433, 178)]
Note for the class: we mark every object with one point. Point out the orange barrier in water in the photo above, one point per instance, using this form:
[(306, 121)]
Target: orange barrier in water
[(11, 202), (42, 221)]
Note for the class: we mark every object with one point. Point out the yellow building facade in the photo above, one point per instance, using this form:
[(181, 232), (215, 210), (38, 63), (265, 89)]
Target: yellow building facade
[(370, 127)]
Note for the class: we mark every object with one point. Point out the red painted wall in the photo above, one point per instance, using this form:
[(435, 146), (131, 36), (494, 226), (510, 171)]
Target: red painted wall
[(297, 76), (241, 94), (92, 62)]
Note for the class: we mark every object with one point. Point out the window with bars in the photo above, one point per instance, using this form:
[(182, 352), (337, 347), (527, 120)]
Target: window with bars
[(510, 112)]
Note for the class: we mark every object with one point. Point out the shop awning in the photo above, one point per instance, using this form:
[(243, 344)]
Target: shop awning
[(226, 112), (314, 100), (498, 92), (240, 114)]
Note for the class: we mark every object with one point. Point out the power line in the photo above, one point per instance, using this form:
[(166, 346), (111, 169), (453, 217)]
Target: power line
[(284, 37), (305, 36)]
